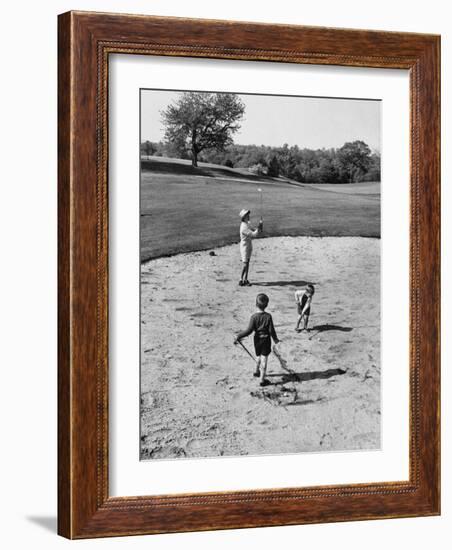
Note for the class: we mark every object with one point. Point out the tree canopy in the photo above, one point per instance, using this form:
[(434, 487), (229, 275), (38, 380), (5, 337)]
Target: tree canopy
[(353, 162), (354, 157), (201, 121)]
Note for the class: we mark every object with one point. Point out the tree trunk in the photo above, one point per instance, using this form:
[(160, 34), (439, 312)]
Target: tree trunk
[(194, 157), (194, 148)]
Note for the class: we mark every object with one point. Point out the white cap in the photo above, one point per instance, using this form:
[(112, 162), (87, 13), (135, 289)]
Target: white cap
[(243, 213)]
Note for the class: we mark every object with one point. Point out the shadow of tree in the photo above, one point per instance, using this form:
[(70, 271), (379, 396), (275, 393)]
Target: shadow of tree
[(186, 169)]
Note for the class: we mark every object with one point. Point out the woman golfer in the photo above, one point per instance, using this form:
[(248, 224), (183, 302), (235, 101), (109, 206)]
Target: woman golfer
[(247, 234)]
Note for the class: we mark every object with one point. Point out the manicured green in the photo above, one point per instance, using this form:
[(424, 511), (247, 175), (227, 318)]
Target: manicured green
[(185, 209)]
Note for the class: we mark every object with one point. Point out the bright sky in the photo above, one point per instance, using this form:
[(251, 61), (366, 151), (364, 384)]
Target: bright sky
[(310, 122)]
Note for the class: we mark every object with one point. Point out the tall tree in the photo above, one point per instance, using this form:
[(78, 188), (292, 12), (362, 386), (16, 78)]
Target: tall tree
[(273, 166), (148, 148), (199, 121), (354, 158)]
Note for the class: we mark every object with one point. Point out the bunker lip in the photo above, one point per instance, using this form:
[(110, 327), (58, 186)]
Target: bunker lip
[(198, 394), (215, 245)]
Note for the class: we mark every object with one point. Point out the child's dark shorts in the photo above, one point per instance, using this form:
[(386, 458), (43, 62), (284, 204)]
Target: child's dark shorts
[(262, 345), (300, 309)]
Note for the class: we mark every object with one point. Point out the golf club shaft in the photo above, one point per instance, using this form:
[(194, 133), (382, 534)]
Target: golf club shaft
[(247, 351)]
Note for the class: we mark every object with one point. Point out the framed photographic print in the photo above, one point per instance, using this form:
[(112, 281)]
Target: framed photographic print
[(248, 275)]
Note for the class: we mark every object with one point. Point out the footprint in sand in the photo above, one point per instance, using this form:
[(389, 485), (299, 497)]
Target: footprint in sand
[(368, 439), (213, 428), (326, 440), (195, 445), (160, 432), (166, 452)]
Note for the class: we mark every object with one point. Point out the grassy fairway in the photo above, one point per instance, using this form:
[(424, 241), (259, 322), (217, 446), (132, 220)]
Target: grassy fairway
[(185, 209)]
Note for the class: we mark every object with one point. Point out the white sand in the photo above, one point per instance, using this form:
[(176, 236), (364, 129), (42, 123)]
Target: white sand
[(198, 395)]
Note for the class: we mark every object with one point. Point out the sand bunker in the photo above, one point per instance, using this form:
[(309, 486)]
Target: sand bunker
[(198, 395)]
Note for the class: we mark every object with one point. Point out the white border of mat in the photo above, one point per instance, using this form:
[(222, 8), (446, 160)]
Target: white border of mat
[(129, 476)]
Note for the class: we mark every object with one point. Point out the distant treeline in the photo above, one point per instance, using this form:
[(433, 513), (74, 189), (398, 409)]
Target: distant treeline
[(353, 162)]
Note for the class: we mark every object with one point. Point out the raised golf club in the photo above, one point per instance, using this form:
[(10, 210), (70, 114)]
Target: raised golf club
[(262, 209)]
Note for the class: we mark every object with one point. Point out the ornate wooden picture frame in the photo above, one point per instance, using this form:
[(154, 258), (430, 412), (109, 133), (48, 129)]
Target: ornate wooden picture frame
[(86, 41)]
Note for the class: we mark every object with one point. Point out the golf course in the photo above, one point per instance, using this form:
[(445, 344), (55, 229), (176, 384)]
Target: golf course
[(198, 395), (185, 209)]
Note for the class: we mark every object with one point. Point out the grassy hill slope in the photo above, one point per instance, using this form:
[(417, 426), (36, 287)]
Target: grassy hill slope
[(185, 208)]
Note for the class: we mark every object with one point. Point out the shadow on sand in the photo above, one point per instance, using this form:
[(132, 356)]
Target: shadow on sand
[(283, 283), (327, 327), (305, 376), (306, 402)]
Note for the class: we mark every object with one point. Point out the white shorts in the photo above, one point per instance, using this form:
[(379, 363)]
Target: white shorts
[(245, 252)]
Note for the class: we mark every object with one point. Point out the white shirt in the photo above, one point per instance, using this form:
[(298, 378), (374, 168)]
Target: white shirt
[(247, 233)]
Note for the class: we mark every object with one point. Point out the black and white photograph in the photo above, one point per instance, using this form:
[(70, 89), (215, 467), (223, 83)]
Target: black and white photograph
[(260, 274), (222, 264)]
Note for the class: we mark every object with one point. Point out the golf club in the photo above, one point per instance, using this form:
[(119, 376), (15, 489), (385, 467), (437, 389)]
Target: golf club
[(262, 201), (247, 351)]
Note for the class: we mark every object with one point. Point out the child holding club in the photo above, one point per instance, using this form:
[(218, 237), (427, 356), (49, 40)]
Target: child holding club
[(247, 233), (261, 323), (304, 299)]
